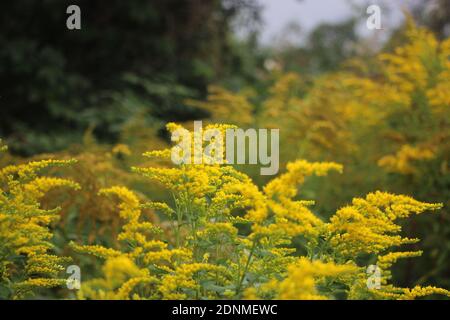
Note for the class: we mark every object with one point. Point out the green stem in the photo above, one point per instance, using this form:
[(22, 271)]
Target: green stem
[(252, 250), (179, 221)]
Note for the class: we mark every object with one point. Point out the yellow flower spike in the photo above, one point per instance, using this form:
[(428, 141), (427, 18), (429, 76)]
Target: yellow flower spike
[(387, 260), (285, 186), (32, 167), (367, 226), (128, 197), (40, 186), (404, 160), (418, 291), (164, 154), (95, 250), (24, 228)]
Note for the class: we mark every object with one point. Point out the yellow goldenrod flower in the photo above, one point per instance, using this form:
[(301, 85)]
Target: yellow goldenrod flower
[(25, 236)]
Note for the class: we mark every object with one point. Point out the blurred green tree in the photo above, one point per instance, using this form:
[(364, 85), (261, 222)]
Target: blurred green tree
[(129, 58)]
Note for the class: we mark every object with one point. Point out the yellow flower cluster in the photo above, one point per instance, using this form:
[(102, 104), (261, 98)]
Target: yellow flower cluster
[(221, 235), (418, 291), (25, 236), (121, 278), (404, 160), (229, 239), (290, 217), (159, 271), (302, 279), (368, 225), (185, 281)]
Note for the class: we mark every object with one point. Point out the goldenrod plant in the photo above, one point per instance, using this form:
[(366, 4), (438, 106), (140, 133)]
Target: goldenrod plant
[(232, 239), (153, 227), (387, 120), (85, 214), (27, 259)]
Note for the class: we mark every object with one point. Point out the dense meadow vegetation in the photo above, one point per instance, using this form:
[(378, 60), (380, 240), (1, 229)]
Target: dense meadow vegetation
[(364, 181)]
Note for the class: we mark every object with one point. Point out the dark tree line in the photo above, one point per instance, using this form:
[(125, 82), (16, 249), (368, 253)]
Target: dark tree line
[(56, 82)]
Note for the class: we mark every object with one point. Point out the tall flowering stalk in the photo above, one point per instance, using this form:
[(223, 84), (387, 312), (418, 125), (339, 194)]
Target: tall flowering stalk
[(27, 262)]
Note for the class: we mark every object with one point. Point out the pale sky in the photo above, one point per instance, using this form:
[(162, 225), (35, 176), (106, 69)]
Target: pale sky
[(309, 13)]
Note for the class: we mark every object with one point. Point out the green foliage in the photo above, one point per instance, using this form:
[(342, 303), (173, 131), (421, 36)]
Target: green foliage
[(53, 79)]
